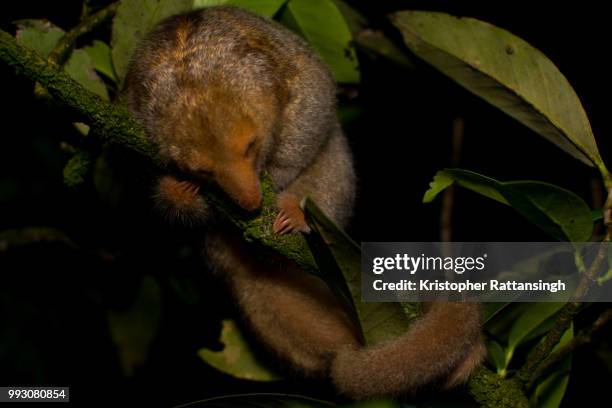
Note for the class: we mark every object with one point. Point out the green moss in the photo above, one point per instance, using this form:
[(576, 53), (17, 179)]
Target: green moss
[(491, 391)]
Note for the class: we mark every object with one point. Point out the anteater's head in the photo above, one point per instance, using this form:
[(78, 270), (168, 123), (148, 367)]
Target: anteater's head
[(213, 135)]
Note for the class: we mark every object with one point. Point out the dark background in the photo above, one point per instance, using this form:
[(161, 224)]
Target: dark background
[(53, 298)]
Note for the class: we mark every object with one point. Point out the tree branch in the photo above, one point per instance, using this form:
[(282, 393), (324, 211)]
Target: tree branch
[(492, 391), (62, 49), (580, 340)]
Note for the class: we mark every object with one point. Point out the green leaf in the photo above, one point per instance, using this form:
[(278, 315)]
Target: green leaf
[(339, 260), (323, 26), (133, 330), (39, 35), (505, 71), (198, 4), (483, 185), (133, 20), (81, 68), (515, 324), (42, 36), (237, 357), (559, 212), (260, 400), (497, 356), (355, 21), (77, 168), (100, 55), (596, 215), (549, 393), (441, 181), (267, 8), (532, 317)]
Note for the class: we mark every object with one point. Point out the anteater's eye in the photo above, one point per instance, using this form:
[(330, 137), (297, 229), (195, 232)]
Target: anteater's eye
[(250, 148)]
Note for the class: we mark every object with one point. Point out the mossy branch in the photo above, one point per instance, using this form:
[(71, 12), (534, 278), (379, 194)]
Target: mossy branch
[(582, 339), (492, 391), (112, 123), (61, 51)]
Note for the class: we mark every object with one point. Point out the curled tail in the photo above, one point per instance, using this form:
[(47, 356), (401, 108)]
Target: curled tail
[(299, 318), (444, 345)]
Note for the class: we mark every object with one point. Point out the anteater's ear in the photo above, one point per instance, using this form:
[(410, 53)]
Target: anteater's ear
[(181, 202)]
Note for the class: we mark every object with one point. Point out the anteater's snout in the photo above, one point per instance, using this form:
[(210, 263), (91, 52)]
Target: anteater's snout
[(242, 184)]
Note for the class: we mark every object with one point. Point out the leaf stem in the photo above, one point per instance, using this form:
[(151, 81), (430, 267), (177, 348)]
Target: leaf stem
[(60, 53)]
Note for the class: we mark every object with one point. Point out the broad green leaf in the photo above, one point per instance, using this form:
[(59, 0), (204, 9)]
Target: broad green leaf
[(483, 185), (541, 330), (267, 8), (505, 71), (515, 324), (133, 20), (549, 393), (323, 26), (42, 36), (557, 211), (133, 330), (497, 356), (354, 19), (39, 35), (237, 357), (100, 54), (81, 69), (260, 400), (339, 259), (533, 316)]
